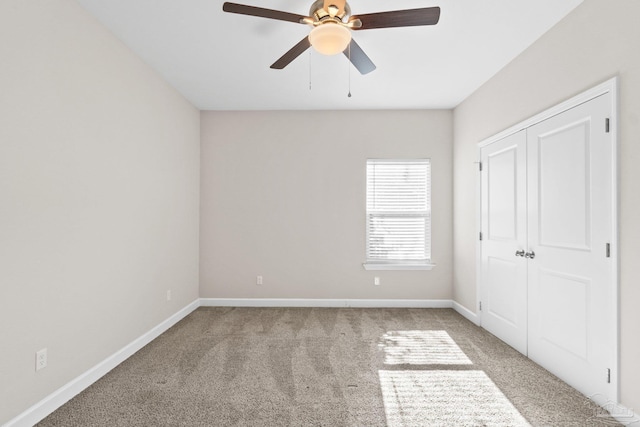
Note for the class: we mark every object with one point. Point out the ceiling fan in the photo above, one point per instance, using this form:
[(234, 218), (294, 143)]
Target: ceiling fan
[(332, 23)]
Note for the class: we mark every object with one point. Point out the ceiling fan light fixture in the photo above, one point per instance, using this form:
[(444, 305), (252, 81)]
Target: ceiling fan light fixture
[(330, 38)]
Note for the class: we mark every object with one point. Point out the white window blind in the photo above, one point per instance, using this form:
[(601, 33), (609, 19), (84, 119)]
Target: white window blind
[(399, 211)]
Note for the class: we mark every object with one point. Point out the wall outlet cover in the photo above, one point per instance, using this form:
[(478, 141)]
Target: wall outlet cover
[(41, 359)]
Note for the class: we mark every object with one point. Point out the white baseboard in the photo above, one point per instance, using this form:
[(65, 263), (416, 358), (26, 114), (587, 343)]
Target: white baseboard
[(465, 312), (624, 416), (58, 398), (336, 303), (65, 393)]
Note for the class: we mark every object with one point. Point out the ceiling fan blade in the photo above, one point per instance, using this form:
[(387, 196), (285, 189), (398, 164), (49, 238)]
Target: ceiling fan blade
[(398, 18), (262, 12), (292, 54), (358, 58)]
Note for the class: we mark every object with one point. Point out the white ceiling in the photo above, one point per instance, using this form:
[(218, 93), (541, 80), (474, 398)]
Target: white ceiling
[(220, 61)]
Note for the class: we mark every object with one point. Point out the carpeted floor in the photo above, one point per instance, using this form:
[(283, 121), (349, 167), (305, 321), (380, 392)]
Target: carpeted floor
[(327, 367)]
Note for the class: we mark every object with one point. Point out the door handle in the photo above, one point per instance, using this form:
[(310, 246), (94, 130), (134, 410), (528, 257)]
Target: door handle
[(530, 255), (520, 253)]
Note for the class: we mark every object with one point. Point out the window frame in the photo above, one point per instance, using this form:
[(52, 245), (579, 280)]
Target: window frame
[(399, 264)]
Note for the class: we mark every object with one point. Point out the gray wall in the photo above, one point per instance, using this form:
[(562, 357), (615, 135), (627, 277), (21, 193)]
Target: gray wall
[(597, 41), (283, 196), (99, 185)]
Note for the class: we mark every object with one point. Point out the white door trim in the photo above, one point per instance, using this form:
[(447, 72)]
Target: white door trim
[(610, 86)]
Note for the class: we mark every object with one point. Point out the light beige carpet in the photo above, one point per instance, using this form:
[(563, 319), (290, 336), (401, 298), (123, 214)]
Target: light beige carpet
[(328, 367)]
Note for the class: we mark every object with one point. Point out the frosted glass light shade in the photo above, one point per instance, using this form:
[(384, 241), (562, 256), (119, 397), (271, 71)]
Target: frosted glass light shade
[(329, 38)]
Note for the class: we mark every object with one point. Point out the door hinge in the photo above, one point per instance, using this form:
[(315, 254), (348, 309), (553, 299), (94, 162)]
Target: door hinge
[(480, 305), (608, 376), (480, 166), (607, 124), (480, 236), (608, 250)]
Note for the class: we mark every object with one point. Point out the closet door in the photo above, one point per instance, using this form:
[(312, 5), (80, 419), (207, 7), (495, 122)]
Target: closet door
[(571, 306), (504, 226)]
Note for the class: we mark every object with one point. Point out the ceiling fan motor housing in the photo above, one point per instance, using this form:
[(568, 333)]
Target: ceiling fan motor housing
[(320, 14)]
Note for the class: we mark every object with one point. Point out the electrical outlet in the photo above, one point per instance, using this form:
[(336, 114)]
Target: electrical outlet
[(169, 295), (41, 359), (376, 281), (259, 280)]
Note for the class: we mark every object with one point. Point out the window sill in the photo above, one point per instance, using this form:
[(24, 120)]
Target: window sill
[(371, 266)]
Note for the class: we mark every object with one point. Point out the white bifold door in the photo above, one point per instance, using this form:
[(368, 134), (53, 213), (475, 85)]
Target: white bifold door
[(547, 224), (504, 229)]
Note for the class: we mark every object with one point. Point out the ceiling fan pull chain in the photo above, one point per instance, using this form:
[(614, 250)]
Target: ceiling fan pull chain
[(349, 69), (309, 70)]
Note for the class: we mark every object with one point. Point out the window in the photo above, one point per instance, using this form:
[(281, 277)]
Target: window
[(398, 214)]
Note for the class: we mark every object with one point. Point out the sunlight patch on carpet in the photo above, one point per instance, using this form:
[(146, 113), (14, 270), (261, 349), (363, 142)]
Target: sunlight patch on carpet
[(437, 398), (421, 348)]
